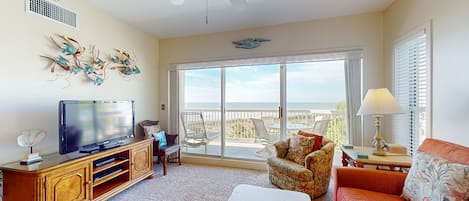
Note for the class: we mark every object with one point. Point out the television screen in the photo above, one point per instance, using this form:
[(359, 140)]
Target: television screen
[(91, 123)]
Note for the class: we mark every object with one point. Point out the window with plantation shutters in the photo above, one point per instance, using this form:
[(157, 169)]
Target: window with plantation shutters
[(411, 87)]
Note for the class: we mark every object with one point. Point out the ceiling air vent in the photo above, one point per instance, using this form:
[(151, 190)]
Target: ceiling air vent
[(52, 11)]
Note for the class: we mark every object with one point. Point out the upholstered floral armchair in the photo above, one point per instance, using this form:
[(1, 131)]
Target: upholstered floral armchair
[(312, 178)]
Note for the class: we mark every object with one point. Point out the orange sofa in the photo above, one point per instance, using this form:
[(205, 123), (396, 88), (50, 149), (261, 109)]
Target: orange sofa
[(367, 184)]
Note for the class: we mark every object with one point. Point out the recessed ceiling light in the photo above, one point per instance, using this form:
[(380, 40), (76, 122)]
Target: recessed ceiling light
[(177, 2)]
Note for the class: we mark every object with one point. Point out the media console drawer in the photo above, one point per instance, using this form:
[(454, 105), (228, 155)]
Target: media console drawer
[(74, 176)]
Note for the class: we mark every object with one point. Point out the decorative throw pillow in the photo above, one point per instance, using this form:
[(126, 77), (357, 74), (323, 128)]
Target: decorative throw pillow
[(299, 147), (149, 130), (160, 136), (435, 179), (317, 141)]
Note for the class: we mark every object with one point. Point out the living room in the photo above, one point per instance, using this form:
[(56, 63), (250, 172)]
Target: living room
[(171, 38)]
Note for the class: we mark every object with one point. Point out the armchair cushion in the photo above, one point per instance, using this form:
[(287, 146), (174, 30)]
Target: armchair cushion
[(437, 179), (299, 147), (290, 168)]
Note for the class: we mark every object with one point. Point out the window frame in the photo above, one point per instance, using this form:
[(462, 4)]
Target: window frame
[(427, 29)]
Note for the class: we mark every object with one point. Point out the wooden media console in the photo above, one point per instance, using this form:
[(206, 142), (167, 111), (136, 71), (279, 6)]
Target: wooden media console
[(74, 176)]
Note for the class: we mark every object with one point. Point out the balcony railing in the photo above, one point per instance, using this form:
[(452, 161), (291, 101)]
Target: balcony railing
[(240, 126)]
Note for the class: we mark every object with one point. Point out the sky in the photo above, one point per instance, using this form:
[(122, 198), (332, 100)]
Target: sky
[(317, 82)]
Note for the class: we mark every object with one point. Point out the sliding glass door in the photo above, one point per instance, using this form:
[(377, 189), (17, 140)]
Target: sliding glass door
[(239, 111), (251, 108), (315, 97), (200, 112)]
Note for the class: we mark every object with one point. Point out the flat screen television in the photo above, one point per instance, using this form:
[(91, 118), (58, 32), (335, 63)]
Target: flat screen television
[(90, 125)]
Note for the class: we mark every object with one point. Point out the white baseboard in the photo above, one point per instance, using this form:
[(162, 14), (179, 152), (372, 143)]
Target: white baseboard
[(224, 162)]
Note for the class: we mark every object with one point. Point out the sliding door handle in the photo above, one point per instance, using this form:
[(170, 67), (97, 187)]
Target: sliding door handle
[(280, 113)]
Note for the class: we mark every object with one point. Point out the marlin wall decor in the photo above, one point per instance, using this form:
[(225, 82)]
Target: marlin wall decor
[(250, 43)]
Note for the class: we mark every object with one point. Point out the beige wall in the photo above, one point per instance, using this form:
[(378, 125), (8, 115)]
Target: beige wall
[(29, 100), (450, 66), (359, 31)]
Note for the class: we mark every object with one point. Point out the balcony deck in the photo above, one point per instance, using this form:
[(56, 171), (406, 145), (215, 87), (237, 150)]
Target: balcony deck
[(240, 133), (243, 149)]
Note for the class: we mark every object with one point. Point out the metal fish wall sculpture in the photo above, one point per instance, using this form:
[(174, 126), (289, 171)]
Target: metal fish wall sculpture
[(250, 43)]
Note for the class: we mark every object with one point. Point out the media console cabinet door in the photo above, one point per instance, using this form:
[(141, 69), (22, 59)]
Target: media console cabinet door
[(142, 160), (69, 183)]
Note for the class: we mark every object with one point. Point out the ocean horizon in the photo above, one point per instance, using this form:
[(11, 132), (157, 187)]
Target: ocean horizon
[(262, 105)]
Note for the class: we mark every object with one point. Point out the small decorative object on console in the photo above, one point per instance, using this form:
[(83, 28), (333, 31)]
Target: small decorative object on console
[(29, 138)]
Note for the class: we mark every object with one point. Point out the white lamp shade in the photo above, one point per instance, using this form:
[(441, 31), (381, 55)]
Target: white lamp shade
[(379, 102)]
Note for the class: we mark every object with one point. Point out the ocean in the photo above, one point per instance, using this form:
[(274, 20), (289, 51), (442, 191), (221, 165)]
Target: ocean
[(259, 105)]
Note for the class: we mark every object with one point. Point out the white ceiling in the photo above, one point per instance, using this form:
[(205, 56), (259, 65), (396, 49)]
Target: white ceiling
[(165, 20)]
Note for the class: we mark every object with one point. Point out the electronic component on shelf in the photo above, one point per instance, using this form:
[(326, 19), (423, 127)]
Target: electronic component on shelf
[(104, 162), (106, 173)]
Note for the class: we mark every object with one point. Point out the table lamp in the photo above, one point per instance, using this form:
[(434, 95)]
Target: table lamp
[(377, 103)]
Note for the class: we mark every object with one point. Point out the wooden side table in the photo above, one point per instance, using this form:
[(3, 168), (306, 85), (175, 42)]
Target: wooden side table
[(399, 162)]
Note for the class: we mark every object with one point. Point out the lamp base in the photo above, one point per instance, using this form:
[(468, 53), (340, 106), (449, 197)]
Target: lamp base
[(378, 143), (379, 146), (379, 152)]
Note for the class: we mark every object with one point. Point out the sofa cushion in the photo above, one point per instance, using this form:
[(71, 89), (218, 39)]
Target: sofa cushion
[(290, 168), (318, 138), (354, 194), (299, 147), (435, 178)]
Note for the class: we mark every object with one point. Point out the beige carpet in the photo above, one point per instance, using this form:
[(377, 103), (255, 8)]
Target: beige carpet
[(196, 183)]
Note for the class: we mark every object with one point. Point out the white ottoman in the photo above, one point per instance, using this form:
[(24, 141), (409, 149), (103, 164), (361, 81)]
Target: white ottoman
[(244, 192)]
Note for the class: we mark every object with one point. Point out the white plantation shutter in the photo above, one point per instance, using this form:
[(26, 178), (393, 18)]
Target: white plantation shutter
[(411, 87)]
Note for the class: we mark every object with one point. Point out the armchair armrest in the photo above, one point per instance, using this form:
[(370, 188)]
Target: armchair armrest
[(373, 180), (282, 148), (325, 155), (172, 139), (320, 164)]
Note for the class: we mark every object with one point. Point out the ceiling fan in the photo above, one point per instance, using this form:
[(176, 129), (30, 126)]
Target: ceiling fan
[(239, 5)]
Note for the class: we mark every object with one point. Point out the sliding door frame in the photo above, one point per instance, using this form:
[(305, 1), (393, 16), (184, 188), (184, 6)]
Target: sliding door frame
[(283, 116), (223, 111)]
